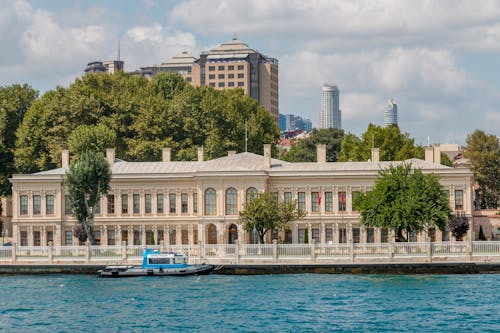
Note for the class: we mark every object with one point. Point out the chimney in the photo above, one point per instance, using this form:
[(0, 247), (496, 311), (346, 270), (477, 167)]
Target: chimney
[(110, 156), (200, 154), (321, 153), (166, 154), (231, 152), (64, 158), (429, 154), (376, 155), (437, 154), (267, 156)]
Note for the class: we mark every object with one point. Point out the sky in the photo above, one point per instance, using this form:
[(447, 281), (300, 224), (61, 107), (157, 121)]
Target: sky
[(439, 60)]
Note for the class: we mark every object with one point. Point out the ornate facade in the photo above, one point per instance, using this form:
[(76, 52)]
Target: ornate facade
[(191, 202)]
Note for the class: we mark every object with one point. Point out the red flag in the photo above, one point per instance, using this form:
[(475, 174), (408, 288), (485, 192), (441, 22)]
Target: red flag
[(319, 199), (342, 197)]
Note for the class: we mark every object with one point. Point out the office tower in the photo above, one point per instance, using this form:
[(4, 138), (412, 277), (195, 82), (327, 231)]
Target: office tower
[(330, 111), (391, 114), (109, 67)]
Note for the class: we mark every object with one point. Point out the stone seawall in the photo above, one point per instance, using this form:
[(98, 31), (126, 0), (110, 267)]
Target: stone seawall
[(430, 268)]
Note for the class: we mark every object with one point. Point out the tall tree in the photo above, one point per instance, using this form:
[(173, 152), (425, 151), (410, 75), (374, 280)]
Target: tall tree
[(305, 150), (483, 152), (91, 137), (264, 213), (404, 199), (87, 179)]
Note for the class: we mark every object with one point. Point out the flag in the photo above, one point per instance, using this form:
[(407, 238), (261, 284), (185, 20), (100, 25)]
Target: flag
[(342, 197), (319, 199)]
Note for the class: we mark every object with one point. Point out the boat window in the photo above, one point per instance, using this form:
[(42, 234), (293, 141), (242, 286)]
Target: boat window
[(159, 261), (178, 260)]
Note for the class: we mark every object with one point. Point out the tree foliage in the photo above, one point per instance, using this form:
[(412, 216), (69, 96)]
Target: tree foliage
[(483, 152), (404, 199), (87, 180), (394, 145), (459, 225), (305, 150), (145, 116), (264, 213), (91, 137)]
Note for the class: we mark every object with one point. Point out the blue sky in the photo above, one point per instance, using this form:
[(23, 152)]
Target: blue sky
[(438, 59)]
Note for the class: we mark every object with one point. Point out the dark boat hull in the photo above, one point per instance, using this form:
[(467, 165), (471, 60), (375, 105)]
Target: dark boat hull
[(131, 271)]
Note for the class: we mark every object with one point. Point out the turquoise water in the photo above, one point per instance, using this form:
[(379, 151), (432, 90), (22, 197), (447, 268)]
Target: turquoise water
[(265, 303)]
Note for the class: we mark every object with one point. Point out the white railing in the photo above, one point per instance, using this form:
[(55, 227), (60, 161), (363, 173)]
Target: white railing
[(268, 253)]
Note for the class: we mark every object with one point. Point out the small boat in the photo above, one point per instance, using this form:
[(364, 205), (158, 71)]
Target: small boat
[(155, 263)]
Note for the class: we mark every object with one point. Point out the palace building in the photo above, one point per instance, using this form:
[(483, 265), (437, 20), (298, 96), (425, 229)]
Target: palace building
[(198, 202)]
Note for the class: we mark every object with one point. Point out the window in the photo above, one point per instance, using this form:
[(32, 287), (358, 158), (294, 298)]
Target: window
[(432, 234), (171, 237), (211, 76), (159, 203), (355, 196), (124, 203), (288, 197), (355, 235), (195, 202), (445, 236), (303, 237), (24, 238), (184, 202), (150, 238), (161, 236), (111, 203), (125, 236), (210, 201), (49, 237), (315, 235), (221, 85), (230, 68), (212, 84), (328, 235), (136, 208), (302, 200), (328, 202), (147, 203), (221, 76), (221, 68), (341, 201), (240, 67), (251, 193), (68, 237), (137, 237), (315, 201), (230, 84), (36, 238), (111, 237), (412, 236), (171, 202), (211, 68), (67, 205), (49, 204), (241, 75), (230, 76), (37, 203), (241, 84), (384, 235), (97, 237), (230, 201), (342, 235), (370, 235), (459, 199), (275, 197)]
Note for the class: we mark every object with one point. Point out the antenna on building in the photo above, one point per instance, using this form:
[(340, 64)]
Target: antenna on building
[(246, 138), (118, 50)]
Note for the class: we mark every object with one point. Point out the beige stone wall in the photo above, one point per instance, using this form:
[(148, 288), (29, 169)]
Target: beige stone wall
[(6, 217), (489, 220)]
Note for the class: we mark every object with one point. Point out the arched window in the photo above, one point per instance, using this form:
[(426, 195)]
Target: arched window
[(251, 193), (230, 201), (210, 201), (232, 233), (211, 234)]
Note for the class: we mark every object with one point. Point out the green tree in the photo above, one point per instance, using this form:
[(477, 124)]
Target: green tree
[(305, 150), (445, 160), (483, 152), (87, 179), (459, 225), (264, 213), (90, 137), (404, 199)]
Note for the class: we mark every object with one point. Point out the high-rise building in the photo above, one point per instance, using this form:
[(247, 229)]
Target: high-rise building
[(330, 116), (391, 113)]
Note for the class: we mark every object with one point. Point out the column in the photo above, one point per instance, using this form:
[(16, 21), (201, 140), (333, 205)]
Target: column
[(104, 235), (309, 233), (118, 236), (322, 233), (178, 234), (130, 235), (43, 236), (143, 228), (295, 233), (190, 234), (166, 234), (336, 233)]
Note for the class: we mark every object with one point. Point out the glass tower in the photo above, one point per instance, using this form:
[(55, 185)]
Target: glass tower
[(330, 110)]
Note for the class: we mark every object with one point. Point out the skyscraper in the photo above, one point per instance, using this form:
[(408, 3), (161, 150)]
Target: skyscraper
[(391, 114), (330, 112)]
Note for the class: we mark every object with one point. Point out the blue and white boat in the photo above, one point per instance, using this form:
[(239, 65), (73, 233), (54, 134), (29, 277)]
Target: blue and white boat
[(156, 263)]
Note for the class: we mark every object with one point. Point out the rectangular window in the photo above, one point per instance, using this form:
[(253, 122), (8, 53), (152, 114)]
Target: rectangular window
[(97, 237), (136, 203), (195, 202), (184, 202), (230, 76), (24, 238), (49, 236), (171, 237), (342, 235), (111, 237), (328, 235), (212, 84), (241, 75), (49, 204), (137, 237), (221, 68), (171, 202), (240, 67), (342, 201), (302, 236), (384, 235), (147, 203), (221, 76), (111, 203), (315, 202), (184, 237), (37, 203), (302, 200), (315, 235), (459, 199), (230, 68), (211, 76), (355, 196), (230, 84), (288, 197), (355, 235), (445, 235), (412, 236), (241, 84), (370, 235), (150, 240), (159, 203), (160, 236), (221, 84), (276, 196), (125, 236), (211, 68), (328, 202), (67, 205), (124, 203), (36, 238)]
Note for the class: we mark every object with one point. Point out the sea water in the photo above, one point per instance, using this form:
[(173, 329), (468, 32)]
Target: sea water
[(262, 303)]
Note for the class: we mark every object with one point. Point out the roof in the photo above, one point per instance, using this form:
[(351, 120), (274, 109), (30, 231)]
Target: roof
[(182, 59), (232, 46)]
